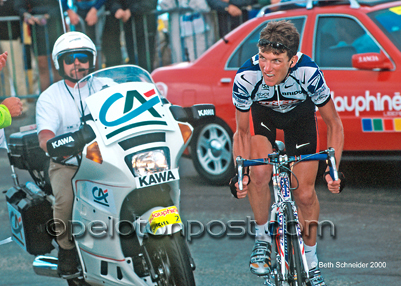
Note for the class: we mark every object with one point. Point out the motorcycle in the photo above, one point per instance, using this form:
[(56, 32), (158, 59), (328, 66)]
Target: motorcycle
[(126, 222)]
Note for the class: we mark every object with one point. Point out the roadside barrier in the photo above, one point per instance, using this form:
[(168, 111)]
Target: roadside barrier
[(181, 34)]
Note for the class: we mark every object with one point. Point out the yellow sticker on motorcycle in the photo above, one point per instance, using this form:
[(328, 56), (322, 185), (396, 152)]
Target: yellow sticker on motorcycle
[(164, 217), (396, 10)]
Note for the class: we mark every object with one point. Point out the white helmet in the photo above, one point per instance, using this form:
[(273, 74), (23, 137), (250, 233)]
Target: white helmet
[(72, 42)]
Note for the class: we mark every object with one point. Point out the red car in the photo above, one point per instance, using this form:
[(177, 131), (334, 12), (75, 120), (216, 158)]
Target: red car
[(356, 45)]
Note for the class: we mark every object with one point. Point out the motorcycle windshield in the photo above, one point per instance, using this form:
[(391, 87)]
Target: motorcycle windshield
[(123, 101), (99, 80)]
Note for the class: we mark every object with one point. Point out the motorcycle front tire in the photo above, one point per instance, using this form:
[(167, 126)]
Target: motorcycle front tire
[(170, 259)]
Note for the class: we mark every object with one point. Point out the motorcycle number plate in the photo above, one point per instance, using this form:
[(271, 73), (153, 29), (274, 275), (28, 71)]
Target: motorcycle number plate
[(164, 217), (157, 178)]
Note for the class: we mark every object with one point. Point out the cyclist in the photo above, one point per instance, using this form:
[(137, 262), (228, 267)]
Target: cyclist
[(280, 88)]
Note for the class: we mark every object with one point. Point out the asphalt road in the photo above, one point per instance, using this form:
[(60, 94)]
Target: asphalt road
[(363, 251)]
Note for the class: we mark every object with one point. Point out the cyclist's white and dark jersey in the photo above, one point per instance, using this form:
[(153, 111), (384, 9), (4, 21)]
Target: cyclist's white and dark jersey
[(289, 106)]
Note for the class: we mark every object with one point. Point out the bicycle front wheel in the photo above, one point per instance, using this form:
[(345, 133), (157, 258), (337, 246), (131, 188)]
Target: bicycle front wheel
[(296, 267)]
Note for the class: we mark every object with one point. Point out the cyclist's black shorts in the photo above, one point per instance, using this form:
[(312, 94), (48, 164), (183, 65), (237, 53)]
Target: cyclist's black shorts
[(299, 126)]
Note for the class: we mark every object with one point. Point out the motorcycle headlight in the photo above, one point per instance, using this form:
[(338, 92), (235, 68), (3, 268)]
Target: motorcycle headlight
[(148, 162)]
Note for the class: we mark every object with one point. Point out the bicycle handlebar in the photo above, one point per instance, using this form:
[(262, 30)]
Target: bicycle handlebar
[(276, 159)]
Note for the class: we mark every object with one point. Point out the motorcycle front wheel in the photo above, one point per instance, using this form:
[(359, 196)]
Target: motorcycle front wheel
[(170, 260)]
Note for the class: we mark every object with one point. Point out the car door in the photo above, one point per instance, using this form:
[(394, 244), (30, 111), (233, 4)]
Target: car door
[(364, 98)]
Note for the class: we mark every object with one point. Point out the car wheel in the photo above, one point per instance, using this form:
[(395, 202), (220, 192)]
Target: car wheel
[(211, 152)]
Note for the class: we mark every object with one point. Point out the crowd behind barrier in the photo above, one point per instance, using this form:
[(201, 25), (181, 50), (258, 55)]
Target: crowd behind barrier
[(182, 34)]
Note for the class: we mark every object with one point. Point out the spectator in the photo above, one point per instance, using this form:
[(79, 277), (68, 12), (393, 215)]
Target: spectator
[(111, 44), (135, 14), (230, 13), (3, 60), (88, 11), (5, 116), (10, 107), (13, 84), (191, 31), (49, 25)]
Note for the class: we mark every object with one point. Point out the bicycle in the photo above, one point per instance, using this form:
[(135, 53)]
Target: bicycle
[(289, 266)]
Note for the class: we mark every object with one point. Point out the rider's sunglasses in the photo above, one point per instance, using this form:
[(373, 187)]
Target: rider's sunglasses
[(275, 45), (70, 58)]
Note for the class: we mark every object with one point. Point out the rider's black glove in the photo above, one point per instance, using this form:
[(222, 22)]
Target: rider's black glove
[(233, 181), (340, 176)]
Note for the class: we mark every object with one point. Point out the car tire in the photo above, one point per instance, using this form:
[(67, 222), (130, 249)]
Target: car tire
[(211, 152)]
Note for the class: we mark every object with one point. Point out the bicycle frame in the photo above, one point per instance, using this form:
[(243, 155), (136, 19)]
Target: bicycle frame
[(284, 213), (281, 237)]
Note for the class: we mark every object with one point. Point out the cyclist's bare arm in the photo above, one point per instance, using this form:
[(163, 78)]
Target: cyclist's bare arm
[(242, 143), (335, 138)]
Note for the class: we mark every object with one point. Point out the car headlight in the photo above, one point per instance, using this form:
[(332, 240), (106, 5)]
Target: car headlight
[(147, 162)]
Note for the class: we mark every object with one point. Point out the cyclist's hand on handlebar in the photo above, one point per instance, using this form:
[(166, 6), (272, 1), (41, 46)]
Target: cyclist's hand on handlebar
[(235, 191), (335, 187)]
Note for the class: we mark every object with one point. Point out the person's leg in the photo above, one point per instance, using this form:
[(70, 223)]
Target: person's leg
[(44, 74), (306, 199), (259, 192), (111, 46), (259, 198), (55, 30), (6, 73), (302, 138), (146, 43), (60, 179), (129, 42), (308, 213), (261, 146), (13, 77), (45, 38)]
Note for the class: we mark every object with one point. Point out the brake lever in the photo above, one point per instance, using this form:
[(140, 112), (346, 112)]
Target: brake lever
[(332, 164), (240, 167)]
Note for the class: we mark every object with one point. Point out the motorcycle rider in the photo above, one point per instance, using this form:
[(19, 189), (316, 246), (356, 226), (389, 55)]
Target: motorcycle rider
[(58, 111)]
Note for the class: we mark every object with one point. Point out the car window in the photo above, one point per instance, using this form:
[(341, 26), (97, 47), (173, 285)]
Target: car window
[(389, 21), (338, 38), (248, 48)]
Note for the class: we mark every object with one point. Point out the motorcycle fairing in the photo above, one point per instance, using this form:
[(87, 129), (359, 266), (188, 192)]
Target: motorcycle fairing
[(139, 104), (98, 195)]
